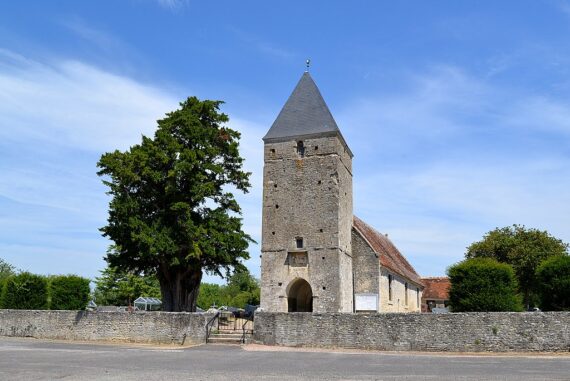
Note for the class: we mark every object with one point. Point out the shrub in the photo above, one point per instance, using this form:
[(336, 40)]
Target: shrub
[(6, 270), (483, 284), (2, 284), (68, 292), (554, 283), (25, 291)]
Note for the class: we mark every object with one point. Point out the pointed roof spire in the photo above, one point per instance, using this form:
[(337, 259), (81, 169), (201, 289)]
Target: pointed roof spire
[(305, 114)]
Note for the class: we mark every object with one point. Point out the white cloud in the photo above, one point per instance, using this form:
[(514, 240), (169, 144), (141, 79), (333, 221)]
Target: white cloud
[(100, 38), (55, 122), (564, 6), (265, 47), (173, 4), (76, 105), (540, 113), (454, 157)]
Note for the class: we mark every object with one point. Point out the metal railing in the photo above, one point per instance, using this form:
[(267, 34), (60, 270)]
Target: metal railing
[(247, 327), (210, 324)]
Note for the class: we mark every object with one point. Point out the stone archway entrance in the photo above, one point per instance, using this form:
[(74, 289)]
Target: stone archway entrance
[(300, 296)]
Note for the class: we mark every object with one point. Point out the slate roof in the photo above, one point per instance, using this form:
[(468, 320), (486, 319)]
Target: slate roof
[(436, 288), (305, 114), (390, 256)]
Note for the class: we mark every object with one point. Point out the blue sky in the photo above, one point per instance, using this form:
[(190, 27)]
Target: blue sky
[(457, 112)]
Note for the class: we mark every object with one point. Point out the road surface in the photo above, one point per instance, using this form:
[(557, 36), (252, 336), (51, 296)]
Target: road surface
[(31, 359)]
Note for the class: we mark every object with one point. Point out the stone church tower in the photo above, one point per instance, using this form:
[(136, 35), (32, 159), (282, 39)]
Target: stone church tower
[(307, 209)]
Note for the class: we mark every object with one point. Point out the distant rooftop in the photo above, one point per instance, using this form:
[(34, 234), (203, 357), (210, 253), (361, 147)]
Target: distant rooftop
[(436, 288)]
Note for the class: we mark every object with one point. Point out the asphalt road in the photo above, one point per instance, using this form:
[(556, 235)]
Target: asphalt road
[(30, 359)]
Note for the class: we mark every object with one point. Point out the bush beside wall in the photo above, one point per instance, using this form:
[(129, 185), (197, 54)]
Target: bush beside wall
[(553, 277), (68, 292), (25, 291), (2, 284), (483, 285)]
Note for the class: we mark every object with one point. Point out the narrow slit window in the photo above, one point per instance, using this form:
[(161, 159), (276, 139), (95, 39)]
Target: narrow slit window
[(300, 148), (389, 287), (406, 294)]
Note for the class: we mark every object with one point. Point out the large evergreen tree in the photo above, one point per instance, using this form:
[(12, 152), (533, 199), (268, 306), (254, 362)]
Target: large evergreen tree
[(172, 212)]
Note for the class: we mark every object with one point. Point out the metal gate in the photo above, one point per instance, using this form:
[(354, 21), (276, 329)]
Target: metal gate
[(224, 322)]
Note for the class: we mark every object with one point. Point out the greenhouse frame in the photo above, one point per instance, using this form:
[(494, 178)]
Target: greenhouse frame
[(145, 303)]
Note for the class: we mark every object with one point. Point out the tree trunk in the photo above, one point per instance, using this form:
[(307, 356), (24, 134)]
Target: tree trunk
[(179, 289)]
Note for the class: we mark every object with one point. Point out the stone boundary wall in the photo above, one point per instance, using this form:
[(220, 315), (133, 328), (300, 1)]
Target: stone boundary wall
[(457, 332), (140, 327)]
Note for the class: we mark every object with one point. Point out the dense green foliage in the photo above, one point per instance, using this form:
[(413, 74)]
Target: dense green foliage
[(211, 295), (121, 288), (524, 249), (483, 284), (25, 291), (242, 288), (6, 270), (68, 292), (171, 212), (553, 277)]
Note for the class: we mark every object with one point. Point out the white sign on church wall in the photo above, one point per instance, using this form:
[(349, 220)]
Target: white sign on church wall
[(366, 302)]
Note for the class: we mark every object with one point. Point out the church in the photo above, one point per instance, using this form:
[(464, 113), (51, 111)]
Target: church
[(316, 255)]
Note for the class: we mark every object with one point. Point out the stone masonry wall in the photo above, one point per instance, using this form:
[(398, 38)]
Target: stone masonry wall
[(148, 327), (310, 197), (398, 301), (458, 332), (366, 267)]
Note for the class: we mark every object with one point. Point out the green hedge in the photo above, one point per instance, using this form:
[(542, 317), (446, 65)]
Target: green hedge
[(2, 283), (553, 277), (483, 284), (25, 291), (68, 292)]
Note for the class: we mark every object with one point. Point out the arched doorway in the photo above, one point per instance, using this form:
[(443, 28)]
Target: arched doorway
[(300, 296)]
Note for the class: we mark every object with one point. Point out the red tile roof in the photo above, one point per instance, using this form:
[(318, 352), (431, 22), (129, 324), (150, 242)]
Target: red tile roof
[(390, 256), (436, 288)]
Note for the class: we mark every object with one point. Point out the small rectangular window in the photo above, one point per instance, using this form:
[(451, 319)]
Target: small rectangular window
[(389, 287), (299, 243), (418, 297), (406, 295), (300, 148)]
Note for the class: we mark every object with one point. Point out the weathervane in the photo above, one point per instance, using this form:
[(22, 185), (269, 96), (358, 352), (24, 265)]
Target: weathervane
[(308, 63)]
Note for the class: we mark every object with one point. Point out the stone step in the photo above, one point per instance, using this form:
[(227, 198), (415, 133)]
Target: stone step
[(224, 334), (227, 338), (222, 340)]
